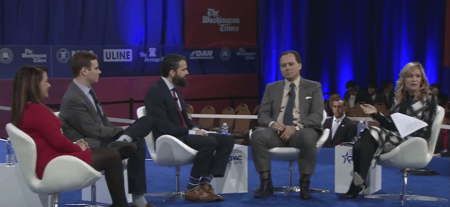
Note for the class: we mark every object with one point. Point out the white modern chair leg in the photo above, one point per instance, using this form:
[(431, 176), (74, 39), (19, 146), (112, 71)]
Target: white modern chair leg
[(93, 199), (55, 200), (171, 195)]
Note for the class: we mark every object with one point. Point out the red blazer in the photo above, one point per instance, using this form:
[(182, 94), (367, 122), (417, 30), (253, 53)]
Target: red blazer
[(44, 127)]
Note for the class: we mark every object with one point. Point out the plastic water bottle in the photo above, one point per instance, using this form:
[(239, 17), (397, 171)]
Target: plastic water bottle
[(224, 129), (360, 128), (10, 157)]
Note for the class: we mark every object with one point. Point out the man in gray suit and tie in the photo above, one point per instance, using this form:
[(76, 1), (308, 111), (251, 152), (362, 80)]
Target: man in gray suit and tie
[(82, 117), (290, 115)]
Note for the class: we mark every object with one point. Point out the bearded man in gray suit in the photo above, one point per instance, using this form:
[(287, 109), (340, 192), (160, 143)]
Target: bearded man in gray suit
[(290, 115)]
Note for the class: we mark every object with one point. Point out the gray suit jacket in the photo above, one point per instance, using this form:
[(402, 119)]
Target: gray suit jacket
[(80, 120), (310, 100)]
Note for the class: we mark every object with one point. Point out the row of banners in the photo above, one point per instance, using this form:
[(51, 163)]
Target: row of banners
[(117, 61)]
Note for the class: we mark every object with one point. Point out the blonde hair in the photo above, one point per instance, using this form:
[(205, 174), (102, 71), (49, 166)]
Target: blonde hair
[(400, 89)]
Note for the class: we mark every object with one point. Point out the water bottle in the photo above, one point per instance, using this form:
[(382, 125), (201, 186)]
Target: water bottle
[(224, 129), (360, 128), (10, 157)]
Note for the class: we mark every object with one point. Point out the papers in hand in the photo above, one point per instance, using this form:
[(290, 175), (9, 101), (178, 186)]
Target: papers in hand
[(407, 124)]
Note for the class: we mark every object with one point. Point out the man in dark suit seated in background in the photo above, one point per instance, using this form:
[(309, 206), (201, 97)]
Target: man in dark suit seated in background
[(355, 95), (388, 92), (290, 115), (165, 105), (342, 129), (82, 117), (375, 97)]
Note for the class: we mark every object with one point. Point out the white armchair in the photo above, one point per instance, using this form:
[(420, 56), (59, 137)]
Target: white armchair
[(168, 151), (291, 154), (62, 174), (412, 153)]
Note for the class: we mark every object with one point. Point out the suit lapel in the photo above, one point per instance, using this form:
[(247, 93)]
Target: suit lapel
[(278, 96), (86, 100), (302, 96)]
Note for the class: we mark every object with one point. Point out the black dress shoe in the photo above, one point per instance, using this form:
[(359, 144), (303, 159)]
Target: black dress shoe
[(126, 149), (353, 191), (305, 192), (265, 188)]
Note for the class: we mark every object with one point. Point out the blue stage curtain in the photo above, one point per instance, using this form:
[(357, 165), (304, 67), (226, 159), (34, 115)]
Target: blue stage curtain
[(86, 22), (367, 41)]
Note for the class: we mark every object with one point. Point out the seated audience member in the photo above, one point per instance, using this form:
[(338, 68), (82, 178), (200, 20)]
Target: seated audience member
[(388, 92), (83, 117), (165, 105), (329, 103), (412, 98), (342, 129), (375, 97), (30, 87), (290, 115), (354, 95)]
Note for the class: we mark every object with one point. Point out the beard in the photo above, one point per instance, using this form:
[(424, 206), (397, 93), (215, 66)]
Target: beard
[(179, 81)]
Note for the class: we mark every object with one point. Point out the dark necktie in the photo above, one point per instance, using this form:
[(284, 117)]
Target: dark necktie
[(288, 118), (97, 106), (178, 106)]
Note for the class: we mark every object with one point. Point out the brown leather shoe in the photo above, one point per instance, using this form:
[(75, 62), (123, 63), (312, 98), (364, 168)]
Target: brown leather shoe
[(198, 195), (209, 189)]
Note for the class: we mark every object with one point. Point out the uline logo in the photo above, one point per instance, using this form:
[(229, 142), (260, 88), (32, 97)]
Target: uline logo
[(117, 55), (201, 55), (225, 24), (6, 55)]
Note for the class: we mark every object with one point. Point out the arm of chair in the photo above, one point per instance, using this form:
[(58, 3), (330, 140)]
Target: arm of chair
[(67, 173), (173, 152), (323, 138)]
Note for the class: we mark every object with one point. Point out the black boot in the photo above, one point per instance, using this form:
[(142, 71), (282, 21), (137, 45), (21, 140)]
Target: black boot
[(353, 191), (265, 187), (305, 193)]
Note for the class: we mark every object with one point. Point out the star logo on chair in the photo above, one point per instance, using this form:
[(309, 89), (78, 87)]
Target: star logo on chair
[(347, 158)]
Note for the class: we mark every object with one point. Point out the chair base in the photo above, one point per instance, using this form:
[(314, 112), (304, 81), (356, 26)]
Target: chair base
[(402, 198), (286, 190), (168, 195)]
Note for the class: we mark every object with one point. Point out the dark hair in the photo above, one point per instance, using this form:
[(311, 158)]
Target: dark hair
[(80, 60), (385, 84), (170, 62), (295, 53), (350, 84), (372, 85), (26, 88), (436, 85)]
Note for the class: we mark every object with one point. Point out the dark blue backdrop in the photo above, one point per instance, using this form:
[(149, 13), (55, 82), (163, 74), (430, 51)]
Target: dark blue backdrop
[(338, 40)]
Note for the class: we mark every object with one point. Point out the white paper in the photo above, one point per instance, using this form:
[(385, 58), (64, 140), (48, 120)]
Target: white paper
[(407, 124)]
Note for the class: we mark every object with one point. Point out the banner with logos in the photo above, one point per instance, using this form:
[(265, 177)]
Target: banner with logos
[(217, 24), (12, 57), (124, 61), (217, 61)]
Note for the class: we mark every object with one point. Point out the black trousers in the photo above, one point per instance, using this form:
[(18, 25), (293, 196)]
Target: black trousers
[(137, 183), (363, 152), (213, 153)]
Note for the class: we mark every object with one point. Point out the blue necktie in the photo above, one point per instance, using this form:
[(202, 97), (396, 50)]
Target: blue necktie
[(288, 118), (97, 106)]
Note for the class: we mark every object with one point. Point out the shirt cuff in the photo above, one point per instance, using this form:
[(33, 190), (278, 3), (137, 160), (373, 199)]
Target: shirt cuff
[(193, 131), (270, 123)]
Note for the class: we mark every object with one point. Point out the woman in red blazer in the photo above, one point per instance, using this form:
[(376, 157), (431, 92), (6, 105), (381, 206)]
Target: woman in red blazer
[(29, 114)]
